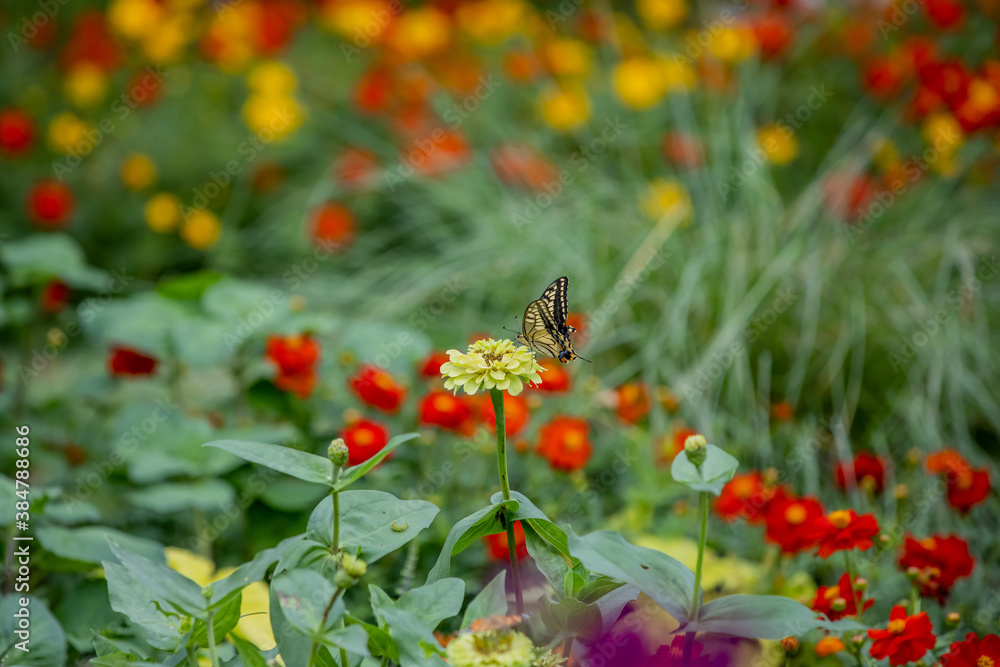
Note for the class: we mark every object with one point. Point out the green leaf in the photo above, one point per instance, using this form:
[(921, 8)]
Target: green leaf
[(147, 610), (351, 475), (666, 580), (304, 596), (598, 588), (38, 258), (352, 638), (188, 286), (547, 560), (366, 520), (571, 617), (90, 544), (303, 465), (415, 642), (759, 617), (223, 621), (46, 642), (527, 511), (435, 602), (485, 521), (713, 474), (491, 601), (246, 574), (291, 644), (169, 584), (170, 497), (249, 654)]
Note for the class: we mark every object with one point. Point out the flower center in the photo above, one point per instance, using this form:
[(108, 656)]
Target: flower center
[(795, 514), (831, 594), (984, 661), (897, 626), (840, 519), (930, 544), (744, 487), (384, 382), (443, 403), (363, 437), (573, 440)]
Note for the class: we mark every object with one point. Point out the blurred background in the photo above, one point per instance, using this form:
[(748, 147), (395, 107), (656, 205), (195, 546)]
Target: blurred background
[(267, 219)]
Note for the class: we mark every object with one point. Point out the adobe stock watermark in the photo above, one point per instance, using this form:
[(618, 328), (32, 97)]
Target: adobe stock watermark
[(927, 329), (30, 25), (123, 105), (378, 20), (534, 206), (896, 16), (697, 43)]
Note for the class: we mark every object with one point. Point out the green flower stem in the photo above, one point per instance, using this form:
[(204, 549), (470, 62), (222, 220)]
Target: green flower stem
[(696, 598), (322, 624), (914, 599), (192, 658), (496, 396), (210, 627), (858, 602), (335, 547)]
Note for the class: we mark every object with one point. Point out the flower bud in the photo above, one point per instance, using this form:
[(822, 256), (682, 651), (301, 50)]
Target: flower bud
[(338, 452), (952, 619), (859, 640), (912, 573), (694, 447), (884, 541), (207, 592), (860, 584), (791, 645), (901, 491), (840, 604), (351, 569)]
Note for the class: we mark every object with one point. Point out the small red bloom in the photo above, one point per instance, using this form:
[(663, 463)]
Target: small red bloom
[(790, 523), (973, 652), (783, 411), (683, 150), (55, 296), (633, 402), (373, 91), (364, 439), (844, 530), (50, 204), (444, 409), (295, 358), (827, 595), (774, 34), (867, 471), (555, 379), (748, 496), (497, 544), (355, 168), (564, 443), (377, 388), (17, 131), (884, 75), (524, 167), (906, 639), (668, 448), (969, 490), (125, 362), (945, 14), (332, 224), (941, 561), (431, 366), (515, 413)]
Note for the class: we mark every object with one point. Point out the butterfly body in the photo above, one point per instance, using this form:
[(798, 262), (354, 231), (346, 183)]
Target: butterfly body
[(544, 328)]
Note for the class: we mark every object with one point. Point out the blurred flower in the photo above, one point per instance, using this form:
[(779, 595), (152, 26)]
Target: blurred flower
[(450, 412), (442, 151), (565, 106), (640, 82), (828, 646), (490, 364), (867, 471), (295, 357), (783, 411), (90, 41), (516, 414), (272, 79), (419, 33), (662, 14), (565, 56), (523, 166), (332, 223), (135, 19), (941, 560), (857, 37), (67, 133), (138, 172), (520, 66), (945, 14), (85, 85), (669, 447), (683, 150), (564, 443), (555, 379), (126, 362), (201, 229), (373, 90), (847, 196), (50, 204), (966, 487), (431, 365), (725, 575), (273, 118), (355, 168), (17, 132), (678, 75), (492, 21), (971, 652), (491, 649), (496, 544), (55, 296), (377, 388), (733, 44), (633, 402), (364, 438), (779, 143), (827, 595), (789, 522), (906, 639), (774, 33), (844, 530), (748, 496), (163, 212), (667, 196)]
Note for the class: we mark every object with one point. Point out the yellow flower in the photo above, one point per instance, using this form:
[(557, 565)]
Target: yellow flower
[(662, 14), (490, 364), (678, 75), (272, 79), (138, 172), (640, 82), (163, 212), (273, 118), (779, 143), (491, 649), (201, 229), (492, 21), (566, 57), (732, 45), (85, 85), (66, 133), (666, 196), (135, 18), (166, 44), (565, 107), (942, 132), (357, 18), (419, 33)]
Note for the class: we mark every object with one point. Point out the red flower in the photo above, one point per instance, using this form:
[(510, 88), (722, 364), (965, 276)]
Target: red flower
[(564, 443), (125, 362), (515, 413), (555, 378), (377, 388), (633, 402), (940, 560), (826, 596), (844, 530), (683, 150), (524, 167), (373, 91), (906, 639), (17, 131), (790, 523), (945, 13), (748, 496), (332, 223), (497, 544), (670, 447), (355, 168), (364, 439), (50, 204), (773, 33), (973, 653), (949, 79), (783, 411), (431, 366), (884, 75), (295, 358), (55, 296), (969, 490), (866, 470), (444, 409)]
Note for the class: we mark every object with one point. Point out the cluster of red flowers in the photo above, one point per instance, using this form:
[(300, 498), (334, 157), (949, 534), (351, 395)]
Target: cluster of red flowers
[(967, 486), (936, 562), (295, 358)]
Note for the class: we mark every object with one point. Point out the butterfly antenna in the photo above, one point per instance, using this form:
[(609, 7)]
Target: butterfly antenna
[(510, 330), (581, 358)]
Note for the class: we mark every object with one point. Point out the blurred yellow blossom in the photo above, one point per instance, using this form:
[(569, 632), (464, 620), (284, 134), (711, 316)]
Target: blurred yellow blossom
[(640, 82), (667, 196), (231, 34), (942, 132), (419, 33), (135, 19), (359, 20), (166, 44), (273, 118), (66, 132), (85, 85), (566, 57), (678, 75), (779, 142), (565, 107), (662, 14), (201, 229), (492, 21), (733, 44), (138, 172), (272, 79), (163, 212)]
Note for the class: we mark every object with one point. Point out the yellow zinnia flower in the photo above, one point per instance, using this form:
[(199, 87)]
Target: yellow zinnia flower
[(491, 649), (85, 84), (163, 212), (662, 14), (779, 143), (565, 107), (665, 196), (491, 364), (138, 172), (201, 229), (640, 82)]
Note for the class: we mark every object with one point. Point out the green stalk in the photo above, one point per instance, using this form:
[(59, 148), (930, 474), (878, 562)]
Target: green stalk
[(696, 598), (192, 658), (858, 602), (211, 639), (335, 548), (496, 396), (322, 624)]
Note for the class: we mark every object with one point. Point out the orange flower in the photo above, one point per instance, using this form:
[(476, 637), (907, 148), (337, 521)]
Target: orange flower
[(828, 646), (515, 413), (555, 379), (967, 487), (883, 76), (633, 402), (364, 439), (373, 91), (125, 362), (783, 411), (564, 443), (50, 204), (450, 412), (497, 544), (906, 639), (522, 166), (377, 388), (520, 66), (332, 224), (295, 357), (683, 150), (843, 530), (355, 168), (773, 34), (748, 496)]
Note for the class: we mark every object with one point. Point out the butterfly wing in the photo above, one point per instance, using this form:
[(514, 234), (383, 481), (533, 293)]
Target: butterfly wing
[(538, 330), (556, 300)]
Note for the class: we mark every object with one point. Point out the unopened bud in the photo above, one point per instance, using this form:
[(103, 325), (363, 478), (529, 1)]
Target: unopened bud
[(338, 452), (952, 619), (901, 491), (351, 569), (912, 573), (790, 644), (884, 541), (840, 604), (207, 592), (860, 584), (694, 447), (859, 640)]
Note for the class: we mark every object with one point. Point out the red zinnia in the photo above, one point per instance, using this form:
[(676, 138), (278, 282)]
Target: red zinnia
[(125, 362), (945, 13), (748, 496), (633, 402), (906, 639), (774, 34), (364, 439), (377, 388), (17, 131), (497, 544), (295, 358), (50, 204), (827, 595), (941, 560), (969, 490), (554, 379), (789, 523), (515, 413), (564, 443), (866, 470), (973, 652), (431, 366), (355, 168), (444, 409), (844, 530), (55, 296), (332, 223), (683, 150)]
